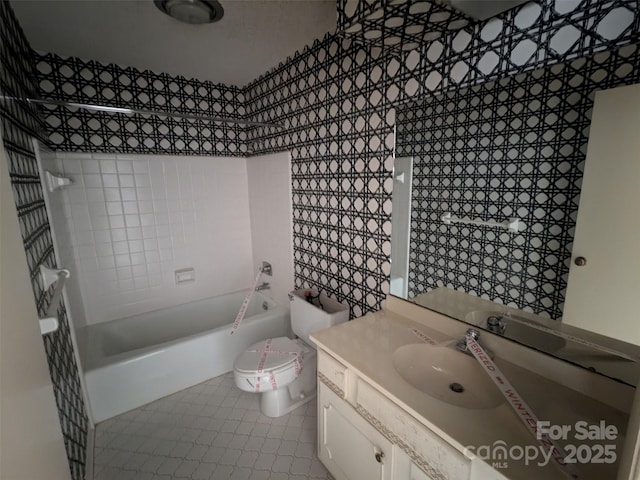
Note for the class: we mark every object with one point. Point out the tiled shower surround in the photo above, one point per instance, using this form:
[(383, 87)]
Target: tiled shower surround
[(133, 220), (337, 101), (136, 219)]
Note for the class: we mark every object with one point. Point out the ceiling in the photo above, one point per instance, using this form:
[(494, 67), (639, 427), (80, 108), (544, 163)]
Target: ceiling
[(252, 37)]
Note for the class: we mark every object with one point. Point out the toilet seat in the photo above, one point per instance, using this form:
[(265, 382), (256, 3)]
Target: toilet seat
[(269, 364)]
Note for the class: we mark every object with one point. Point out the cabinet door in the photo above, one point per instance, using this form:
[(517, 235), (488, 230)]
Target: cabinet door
[(603, 280), (416, 473), (349, 447)]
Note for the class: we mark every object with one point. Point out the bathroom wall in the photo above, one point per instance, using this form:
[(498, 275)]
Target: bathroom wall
[(93, 82), (271, 220), (20, 123), (456, 49), (136, 219), (63, 238), (511, 148), (337, 99), (30, 427)]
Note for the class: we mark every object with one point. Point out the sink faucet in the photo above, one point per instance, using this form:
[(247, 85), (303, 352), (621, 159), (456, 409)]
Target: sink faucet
[(497, 324), (464, 348)]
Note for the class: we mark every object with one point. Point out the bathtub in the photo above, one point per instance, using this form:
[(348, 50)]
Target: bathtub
[(135, 360)]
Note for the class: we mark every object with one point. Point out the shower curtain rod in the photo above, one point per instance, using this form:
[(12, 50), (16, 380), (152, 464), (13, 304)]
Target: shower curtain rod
[(131, 111)]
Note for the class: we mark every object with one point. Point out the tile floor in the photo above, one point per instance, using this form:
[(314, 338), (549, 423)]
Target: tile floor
[(209, 431)]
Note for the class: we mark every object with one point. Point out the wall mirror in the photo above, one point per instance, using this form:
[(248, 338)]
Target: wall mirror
[(487, 184)]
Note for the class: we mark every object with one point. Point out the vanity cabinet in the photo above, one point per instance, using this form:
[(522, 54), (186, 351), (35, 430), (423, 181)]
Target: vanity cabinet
[(374, 425), (352, 449), (362, 435), (348, 446)]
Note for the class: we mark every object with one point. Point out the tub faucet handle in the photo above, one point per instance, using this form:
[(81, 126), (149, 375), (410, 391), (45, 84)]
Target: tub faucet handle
[(263, 286), (266, 268)]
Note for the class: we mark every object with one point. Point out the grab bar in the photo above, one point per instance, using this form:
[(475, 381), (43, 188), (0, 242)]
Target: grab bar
[(513, 224), (49, 323)]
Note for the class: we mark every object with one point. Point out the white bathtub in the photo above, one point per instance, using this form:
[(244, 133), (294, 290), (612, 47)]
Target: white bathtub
[(132, 361)]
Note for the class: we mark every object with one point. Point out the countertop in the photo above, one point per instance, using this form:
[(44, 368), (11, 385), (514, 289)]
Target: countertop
[(366, 345)]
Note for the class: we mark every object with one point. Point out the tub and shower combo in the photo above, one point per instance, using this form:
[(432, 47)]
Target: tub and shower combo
[(132, 361)]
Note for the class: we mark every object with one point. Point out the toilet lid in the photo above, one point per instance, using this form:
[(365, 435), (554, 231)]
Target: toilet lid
[(269, 355)]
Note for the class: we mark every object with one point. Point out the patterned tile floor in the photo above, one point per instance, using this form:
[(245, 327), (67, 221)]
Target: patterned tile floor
[(210, 431)]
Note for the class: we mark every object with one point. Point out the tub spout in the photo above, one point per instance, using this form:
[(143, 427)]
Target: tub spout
[(264, 286)]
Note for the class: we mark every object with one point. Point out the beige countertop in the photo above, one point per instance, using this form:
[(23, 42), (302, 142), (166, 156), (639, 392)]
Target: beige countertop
[(366, 345)]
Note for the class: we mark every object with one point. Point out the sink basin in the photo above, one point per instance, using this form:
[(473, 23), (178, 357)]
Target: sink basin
[(521, 330), (446, 374)]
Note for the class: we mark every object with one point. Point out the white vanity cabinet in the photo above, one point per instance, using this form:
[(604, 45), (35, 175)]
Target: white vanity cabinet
[(348, 445), (362, 435), (352, 449), (374, 425)]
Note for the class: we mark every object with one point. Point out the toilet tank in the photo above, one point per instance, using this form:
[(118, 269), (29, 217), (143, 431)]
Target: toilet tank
[(308, 317)]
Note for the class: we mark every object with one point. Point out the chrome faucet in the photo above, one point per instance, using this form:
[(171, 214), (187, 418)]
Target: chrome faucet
[(263, 286), (464, 348), (497, 324)]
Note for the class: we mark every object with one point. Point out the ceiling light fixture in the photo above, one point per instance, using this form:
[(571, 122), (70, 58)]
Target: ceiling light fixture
[(194, 12)]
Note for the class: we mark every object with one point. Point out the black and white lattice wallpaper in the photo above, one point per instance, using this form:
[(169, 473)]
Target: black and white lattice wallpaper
[(337, 101), (19, 125), (510, 148), (81, 81)]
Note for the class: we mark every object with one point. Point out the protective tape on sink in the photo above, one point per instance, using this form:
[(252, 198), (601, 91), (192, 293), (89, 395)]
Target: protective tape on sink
[(521, 408), (425, 338)]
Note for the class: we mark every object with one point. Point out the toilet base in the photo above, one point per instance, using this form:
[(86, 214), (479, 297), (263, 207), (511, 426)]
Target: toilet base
[(276, 403)]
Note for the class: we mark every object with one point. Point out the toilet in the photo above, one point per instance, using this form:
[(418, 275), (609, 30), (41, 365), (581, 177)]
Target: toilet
[(283, 370)]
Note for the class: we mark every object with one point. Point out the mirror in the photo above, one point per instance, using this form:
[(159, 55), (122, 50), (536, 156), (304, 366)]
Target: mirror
[(487, 182)]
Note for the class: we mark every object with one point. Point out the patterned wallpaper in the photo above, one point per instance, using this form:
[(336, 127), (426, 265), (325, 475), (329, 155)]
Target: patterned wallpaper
[(19, 125), (544, 30), (337, 99), (402, 25), (511, 148), (340, 132), (75, 80)]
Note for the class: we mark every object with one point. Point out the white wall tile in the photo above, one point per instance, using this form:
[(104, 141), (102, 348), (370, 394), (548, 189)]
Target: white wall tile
[(133, 220), (271, 219)]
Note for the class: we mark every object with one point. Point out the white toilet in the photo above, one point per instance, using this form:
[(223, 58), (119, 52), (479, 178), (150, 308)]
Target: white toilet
[(283, 370)]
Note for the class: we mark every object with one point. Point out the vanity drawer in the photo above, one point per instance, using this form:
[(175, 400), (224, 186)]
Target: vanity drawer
[(333, 370), (435, 456)]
